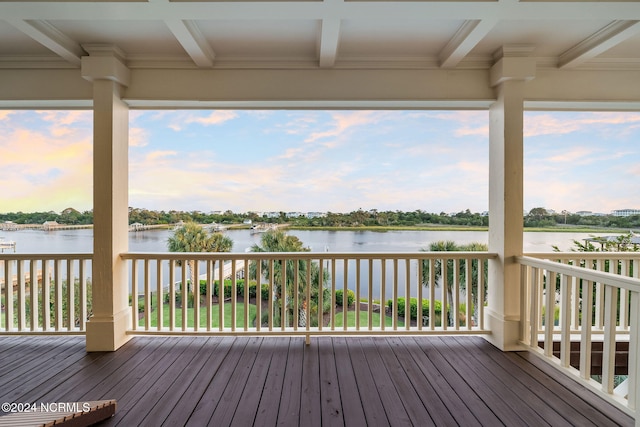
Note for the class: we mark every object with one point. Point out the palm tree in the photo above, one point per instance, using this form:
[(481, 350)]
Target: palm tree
[(450, 246), (190, 237), (279, 241)]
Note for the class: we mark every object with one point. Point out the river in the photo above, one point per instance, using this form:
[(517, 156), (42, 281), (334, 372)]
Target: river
[(81, 241), (70, 241)]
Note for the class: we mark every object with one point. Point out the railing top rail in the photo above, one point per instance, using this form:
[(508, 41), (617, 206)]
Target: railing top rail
[(306, 255), (584, 255), (617, 280), (48, 256)]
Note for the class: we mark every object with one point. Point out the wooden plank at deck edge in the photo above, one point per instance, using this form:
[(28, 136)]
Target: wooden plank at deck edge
[(98, 411)]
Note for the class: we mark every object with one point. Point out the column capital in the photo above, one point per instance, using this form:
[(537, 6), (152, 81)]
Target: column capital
[(512, 62), (105, 62)]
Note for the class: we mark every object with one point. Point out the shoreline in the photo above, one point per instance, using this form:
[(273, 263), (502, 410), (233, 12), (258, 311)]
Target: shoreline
[(384, 229)]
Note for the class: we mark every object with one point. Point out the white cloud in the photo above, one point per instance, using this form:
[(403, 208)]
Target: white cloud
[(138, 137)]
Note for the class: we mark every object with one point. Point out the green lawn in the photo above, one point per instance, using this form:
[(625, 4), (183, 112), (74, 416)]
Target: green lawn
[(364, 320), (203, 316)]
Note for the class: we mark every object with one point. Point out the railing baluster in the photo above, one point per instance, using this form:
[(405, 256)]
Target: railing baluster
[(419, 314), (258, 265), (147, 295), (332, 317), (71, 318), (307, 307), (184, 293), (209, 296), (358, 296), (271, 308), (432, 295), (21, 315), (82, 277), (58, 293), (445, 293), (345, 294), (599, 298), (383, 292), (46, 295), (456, 294), (284, 295), (633, 398), (134, 294), (394, 312), (321, 294), (221, 294), (575, 300), (8, 295), (624, 299), (370, 306), (609, 343), (196, 295), (585, 333), (482, 286), (296, 292), (246, 294), (534, 297), (33, 290), (550, 288), (565, 319), (468, 292), (407, 295), (172, 295), (159, 296)]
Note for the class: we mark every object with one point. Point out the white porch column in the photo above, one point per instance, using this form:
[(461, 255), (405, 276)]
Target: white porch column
[(508, 76), (111, 314)]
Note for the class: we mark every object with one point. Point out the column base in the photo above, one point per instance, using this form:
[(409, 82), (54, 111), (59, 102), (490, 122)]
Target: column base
[(108, 333), (505, 333)]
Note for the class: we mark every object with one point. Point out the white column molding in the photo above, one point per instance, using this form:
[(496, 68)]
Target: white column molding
[(508, 75), (106, 330), (105, 62)]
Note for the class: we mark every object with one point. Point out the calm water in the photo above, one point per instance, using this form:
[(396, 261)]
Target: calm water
[(70, 241), (62, 241)]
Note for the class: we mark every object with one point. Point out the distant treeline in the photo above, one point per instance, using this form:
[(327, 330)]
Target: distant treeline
[(538, 217)]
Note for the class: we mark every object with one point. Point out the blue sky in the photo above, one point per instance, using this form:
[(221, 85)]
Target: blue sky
[(320, 160)]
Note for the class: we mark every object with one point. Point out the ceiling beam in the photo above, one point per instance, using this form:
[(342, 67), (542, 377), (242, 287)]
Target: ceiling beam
[(194, 43), (50, 37), (283, 10), (603, 40), (465, 39), (329, 37)]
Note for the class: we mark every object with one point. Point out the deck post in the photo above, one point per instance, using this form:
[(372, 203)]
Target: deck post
[(106, 330), (508, 76)]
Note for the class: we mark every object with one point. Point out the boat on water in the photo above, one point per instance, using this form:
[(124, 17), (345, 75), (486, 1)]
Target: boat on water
[(262, 228), (7, 244)]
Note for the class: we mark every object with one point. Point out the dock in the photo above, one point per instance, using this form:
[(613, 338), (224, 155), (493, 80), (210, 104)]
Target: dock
[(7, 244)]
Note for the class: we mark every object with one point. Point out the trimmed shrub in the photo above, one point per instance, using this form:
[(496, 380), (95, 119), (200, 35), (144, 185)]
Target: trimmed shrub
[(413, 307), (351, 297), (265, 295)]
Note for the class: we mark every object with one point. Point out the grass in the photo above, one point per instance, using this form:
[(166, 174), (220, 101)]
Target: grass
[(364, 320), (215, 311)]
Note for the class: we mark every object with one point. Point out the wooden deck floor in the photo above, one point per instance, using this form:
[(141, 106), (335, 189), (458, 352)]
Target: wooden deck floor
[(267, 381)]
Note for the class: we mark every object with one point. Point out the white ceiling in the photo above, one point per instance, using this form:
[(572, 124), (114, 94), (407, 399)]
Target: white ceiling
[(321, 34)]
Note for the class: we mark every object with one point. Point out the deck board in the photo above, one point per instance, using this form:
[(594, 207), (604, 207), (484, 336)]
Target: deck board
[(269, 404), (435, 407), (331, 382), (331, 409), (554, 409), (289, 404)]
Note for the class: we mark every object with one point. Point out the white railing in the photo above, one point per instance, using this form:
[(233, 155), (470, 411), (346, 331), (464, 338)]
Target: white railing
[(621, 263), (377, 284), (581, 298), (47, 304)]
